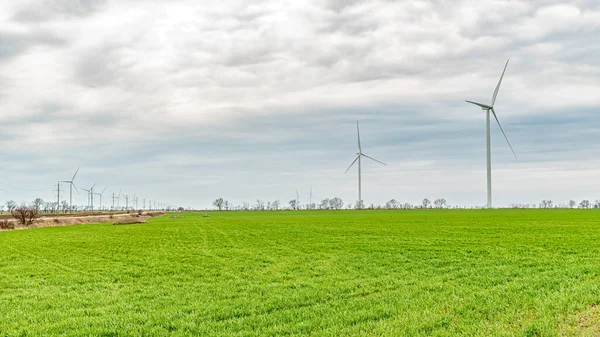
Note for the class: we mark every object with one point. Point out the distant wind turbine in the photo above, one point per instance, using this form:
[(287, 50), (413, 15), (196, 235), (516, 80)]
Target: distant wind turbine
[(358, 157), (489, 108), (100, 195), (119, 199), (71, 185), (90, 196)]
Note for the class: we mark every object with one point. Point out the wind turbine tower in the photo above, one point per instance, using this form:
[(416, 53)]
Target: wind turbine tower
[(487, 109), (360, 154)]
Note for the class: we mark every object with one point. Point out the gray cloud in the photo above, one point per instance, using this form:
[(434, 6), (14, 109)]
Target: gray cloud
[(13, 44), (57, 9), (189, 102)]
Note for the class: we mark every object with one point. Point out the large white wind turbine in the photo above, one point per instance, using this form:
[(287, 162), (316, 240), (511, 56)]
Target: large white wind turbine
[(360, 154), (489, 108)]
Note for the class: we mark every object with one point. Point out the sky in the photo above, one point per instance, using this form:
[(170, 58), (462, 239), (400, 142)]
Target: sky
[(182, 102)]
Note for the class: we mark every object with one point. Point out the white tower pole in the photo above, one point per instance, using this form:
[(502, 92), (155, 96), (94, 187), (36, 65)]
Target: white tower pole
[(489, 160)]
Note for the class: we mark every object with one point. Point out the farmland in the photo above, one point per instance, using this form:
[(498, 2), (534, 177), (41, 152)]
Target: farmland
[(323, 273)]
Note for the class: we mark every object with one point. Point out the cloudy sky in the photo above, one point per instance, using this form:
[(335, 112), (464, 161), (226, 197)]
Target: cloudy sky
[(184, 101)]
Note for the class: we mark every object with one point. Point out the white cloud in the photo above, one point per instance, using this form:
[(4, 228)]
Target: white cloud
[(133, 83)]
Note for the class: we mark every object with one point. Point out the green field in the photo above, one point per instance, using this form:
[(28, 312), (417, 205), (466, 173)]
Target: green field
[(342, 273)]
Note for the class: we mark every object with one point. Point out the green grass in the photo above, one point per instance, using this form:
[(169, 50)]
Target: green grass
[(346, 273)]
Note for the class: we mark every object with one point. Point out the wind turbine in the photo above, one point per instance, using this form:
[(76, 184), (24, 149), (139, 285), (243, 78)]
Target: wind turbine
[(100, 195), (358, 157), (71, 185), (90, 196), (119, 199), (487, 109)]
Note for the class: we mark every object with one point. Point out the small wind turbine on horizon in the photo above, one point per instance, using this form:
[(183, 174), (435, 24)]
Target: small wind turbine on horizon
[(360, 154), (90, 196), (119, 199), (489, 108), (100, 195), (71, 185)]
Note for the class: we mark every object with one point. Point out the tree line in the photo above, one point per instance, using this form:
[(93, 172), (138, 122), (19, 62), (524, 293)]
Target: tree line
[(337, 203)]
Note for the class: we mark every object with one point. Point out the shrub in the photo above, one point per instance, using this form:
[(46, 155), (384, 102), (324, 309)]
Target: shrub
[(140, 212), (25, 215), (5, 224)]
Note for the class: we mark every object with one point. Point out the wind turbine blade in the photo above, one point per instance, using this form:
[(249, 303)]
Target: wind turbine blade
[(75, 187), (485, 106), (104, 190), (75, 174), (497, 120), (355, 159), (358, 133), (120, 192), (499, 82), (380, 162)]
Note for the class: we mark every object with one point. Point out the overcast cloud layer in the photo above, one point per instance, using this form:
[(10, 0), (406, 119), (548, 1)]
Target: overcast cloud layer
[(184, 101)]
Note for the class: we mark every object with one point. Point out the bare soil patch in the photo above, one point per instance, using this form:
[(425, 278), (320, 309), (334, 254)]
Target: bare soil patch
[(583, 323)]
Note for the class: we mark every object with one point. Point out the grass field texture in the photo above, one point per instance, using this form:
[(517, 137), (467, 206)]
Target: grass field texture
[(342, 273)]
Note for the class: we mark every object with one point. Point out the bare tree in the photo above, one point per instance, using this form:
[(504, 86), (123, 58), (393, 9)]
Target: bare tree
[(584, 204), (324, 204), (392, 204), (64, 206), (440, 203), (48, 206), (336, 203), (227, 205), (359, 204), (597, 204), (37, 203), (25, 215), (260, 205), (10, 205), (245, 206), (426, 202), (218, 203), (572, 203), (293, 204), (275, 205)]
